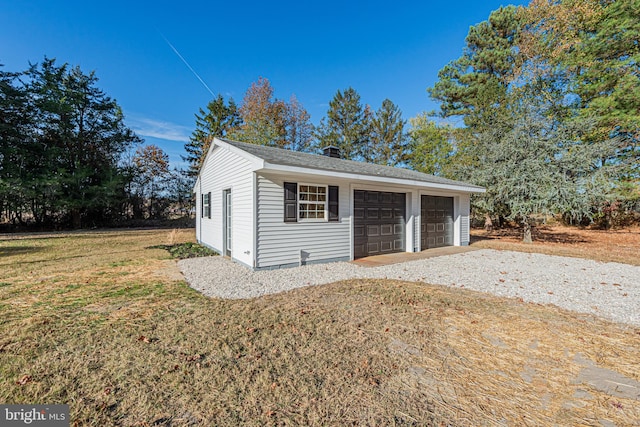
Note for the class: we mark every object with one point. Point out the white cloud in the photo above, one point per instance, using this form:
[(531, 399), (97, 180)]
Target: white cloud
[(159, 129)]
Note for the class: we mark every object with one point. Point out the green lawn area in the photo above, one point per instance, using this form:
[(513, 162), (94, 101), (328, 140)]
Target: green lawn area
[(99, 321)]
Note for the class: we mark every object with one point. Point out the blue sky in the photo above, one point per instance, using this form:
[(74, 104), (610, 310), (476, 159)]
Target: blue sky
[(311, 49)]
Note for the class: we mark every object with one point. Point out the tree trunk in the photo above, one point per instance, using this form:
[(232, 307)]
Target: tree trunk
[(527, 231), (76, 218), (488, 224)]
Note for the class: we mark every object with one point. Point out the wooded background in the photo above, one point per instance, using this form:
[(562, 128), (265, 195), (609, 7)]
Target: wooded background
[(542, 108)]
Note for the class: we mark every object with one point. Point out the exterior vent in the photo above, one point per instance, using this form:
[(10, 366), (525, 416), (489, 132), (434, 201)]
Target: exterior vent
[(331, 151)]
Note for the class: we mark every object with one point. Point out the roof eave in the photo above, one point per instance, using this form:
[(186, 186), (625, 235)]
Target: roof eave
[(273, 167)]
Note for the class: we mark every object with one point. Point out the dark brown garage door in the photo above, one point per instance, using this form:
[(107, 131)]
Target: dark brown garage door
[(436, 228), (378, 226)]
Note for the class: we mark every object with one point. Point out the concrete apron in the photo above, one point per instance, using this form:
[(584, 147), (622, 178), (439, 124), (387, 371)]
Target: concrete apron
[(387, 259)]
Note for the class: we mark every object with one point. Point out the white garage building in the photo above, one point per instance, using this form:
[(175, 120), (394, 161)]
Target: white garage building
[(271, 208)]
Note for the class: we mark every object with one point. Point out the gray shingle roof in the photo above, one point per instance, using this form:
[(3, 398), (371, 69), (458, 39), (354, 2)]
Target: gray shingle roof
[(280, 156)]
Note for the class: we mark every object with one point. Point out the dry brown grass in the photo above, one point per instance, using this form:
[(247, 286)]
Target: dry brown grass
[(603, 245), (85, 320)]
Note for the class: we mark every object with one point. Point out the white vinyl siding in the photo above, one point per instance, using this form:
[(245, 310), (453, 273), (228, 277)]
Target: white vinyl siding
[(225, 170), (280, 243), (464, 219)]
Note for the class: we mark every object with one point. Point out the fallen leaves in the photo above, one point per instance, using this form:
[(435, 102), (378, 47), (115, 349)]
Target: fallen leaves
[(25, 379)]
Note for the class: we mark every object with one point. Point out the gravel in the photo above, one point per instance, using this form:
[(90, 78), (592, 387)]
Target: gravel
[(610, 290)]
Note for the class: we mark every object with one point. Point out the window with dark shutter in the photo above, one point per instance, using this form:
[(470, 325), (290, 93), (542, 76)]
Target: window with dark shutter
[(333, 203), (290, 202)]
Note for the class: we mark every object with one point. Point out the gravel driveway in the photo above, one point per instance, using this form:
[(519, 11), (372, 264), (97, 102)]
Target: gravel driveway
[(609, 290)]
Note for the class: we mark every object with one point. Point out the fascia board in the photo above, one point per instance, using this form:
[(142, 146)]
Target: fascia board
[(271, 167)]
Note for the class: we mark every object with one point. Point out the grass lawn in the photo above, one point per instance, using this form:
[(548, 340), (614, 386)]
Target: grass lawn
[(102, 321)]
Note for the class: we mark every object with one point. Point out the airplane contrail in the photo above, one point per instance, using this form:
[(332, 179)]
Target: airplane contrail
[(187, 64)]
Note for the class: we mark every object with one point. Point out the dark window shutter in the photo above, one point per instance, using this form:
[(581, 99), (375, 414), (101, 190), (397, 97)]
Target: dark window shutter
[(209, 211), (202, 205), (333, 203), (290, 202)]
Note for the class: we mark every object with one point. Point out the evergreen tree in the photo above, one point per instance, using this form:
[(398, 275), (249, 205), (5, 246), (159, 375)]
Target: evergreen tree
[(609, 81), (17, 135), (475, 86), (525, 139), (80, 137), (387, 143), (219, 121), (346, 126)]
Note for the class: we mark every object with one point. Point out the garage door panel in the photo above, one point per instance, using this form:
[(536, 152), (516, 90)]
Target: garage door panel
[(373, 213), (386, 246), (436, 226), (359, 250), (372, 197), (379, 219)]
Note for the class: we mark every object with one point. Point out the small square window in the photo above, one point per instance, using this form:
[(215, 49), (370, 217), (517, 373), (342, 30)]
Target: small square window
[(312, 202)]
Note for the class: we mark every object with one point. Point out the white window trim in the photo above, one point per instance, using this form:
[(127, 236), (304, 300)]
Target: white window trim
[(326, 203), (206, 206)]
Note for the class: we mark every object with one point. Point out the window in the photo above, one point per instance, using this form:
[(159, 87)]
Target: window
[(312, 201), (206, 205)]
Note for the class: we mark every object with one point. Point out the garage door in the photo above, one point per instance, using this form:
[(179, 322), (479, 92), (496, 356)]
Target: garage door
[(379, 223), (436, 228)]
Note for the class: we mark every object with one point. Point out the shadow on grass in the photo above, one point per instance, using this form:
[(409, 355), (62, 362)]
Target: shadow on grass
[(19, 250), (541, 234), (63, 258)]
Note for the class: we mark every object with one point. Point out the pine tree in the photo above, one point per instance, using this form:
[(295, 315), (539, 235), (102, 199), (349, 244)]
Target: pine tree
[(81, 136), (387, 143), (219, 121), (346, 125)]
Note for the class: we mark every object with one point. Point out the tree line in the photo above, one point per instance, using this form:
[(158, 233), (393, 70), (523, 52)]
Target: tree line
[(381, 136), (549, 99), (545, 99), (66, 154), (549, 95)]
